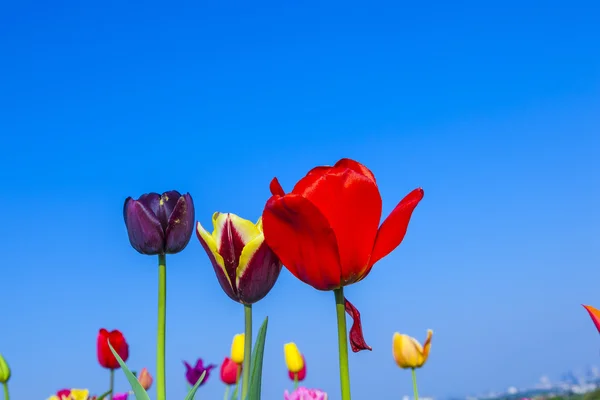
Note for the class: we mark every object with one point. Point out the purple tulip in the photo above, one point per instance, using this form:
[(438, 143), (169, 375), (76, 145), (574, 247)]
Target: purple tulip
[(159, 224), (121, 396), (193, 374), (303, 393)]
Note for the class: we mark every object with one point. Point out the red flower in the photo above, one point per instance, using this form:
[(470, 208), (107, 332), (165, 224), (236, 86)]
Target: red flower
[(326, 231), (301, 374), (105, 357), (230, 371)]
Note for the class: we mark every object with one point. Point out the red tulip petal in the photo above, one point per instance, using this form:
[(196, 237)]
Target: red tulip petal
[(357, 340), (350, 201), (355, 166), (394, 227), (276, 188), (301, 373), (301, 237), (595, 314)]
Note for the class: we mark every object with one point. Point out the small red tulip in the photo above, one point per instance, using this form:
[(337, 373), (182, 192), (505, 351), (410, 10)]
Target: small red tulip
[(301, 374), (105, 357), (230, 371)]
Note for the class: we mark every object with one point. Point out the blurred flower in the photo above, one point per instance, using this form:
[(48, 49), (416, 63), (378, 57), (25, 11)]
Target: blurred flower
[(303, 393), (145, 378), (301, 374), (71, 394), (230, 371), (245, 266), (237, 348), (105, 357), (327, 231), (293, 358), (159, 224), (4, 370), (594, 314), (193, 374), (121, 396), (408, 352)]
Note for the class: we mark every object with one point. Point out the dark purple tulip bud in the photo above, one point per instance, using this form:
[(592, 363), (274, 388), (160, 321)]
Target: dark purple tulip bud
[(193, 374), (159, 224)]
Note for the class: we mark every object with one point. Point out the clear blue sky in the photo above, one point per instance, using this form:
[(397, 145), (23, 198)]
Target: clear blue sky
[(493, 109)]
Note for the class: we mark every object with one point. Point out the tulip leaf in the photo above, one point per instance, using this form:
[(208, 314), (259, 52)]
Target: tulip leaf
[(257, 363), (103, 395), (138, 390), (192, 392)]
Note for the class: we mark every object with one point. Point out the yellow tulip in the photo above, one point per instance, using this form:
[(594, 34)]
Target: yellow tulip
[(237, 348), (408, 352), (79, 394), (293, 358)]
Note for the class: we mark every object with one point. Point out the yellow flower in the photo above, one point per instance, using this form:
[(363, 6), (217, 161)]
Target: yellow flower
[(79, 394), (237, 348), (293, 357), (408, 352)]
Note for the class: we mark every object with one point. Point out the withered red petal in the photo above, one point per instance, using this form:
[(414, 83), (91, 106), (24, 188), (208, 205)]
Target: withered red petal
[(357, 340)]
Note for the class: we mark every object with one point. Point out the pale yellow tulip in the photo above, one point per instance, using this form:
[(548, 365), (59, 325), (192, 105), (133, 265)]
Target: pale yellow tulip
[(408, 352)]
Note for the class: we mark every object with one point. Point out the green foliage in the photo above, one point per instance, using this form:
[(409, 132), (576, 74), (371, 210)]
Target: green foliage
[(595, 395), (138, 390), (103, 395), (257, 363)]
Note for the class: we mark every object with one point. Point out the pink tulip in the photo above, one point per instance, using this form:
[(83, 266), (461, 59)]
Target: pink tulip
[(303, 393)]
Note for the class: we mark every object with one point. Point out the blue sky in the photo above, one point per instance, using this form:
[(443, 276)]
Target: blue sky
[(494, 109)]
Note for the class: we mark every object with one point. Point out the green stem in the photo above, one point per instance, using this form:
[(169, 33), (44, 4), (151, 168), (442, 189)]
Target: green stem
[(161, 390), (237, 384), (226, 397), (340, 308), (414, 379), (6, 396), (247, 349), (295, 381), (112, 384)]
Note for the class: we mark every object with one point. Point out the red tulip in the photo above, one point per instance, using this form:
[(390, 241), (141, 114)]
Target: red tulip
[(105, 357), (230, 371), (301, 374), (327, 231)]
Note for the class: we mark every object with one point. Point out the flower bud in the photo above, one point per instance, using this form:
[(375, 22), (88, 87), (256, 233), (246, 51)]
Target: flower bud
[(4, 370), (293, 358), (237, 348)]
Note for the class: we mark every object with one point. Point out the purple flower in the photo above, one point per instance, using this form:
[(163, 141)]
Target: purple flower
[(303, 393), (193, 374), (159, 224), (121, 396)]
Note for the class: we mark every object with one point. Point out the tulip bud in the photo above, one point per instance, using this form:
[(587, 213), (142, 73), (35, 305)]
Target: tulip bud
[(237, 348), (230, 371), (145, 379), (245, 266), (293, 358), (408, 352), (106, 358), (299, 376), (4, 370), (159, 224)]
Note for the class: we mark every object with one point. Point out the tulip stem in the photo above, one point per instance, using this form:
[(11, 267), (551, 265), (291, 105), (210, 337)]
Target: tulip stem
[(414, 379), (247, 350), (6, 396), (161, 390), (295, 381), (340, 307), (226, 397), (112, 384)]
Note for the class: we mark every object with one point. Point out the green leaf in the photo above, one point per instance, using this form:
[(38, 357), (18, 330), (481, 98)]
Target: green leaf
[(103, 395), (257, 363), (192, 392), (138, 390)]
